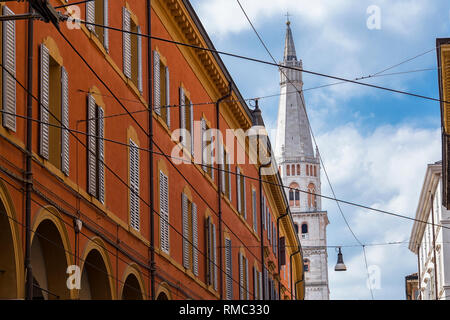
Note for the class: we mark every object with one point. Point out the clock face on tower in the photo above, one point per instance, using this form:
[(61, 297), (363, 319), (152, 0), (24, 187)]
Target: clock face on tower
[(299, 167)]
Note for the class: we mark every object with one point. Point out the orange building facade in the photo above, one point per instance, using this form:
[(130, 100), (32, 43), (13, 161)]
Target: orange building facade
[(120, 196)]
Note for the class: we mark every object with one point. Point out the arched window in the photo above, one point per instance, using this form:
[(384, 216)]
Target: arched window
[(296, 227), (288, 170), (307, 169), (315, 171), (294, 195), (298, 169), (304, 228), (312, 201), (306, 265)]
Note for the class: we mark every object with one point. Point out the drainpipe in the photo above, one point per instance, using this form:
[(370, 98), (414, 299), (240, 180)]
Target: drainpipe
[(278, 246), (150, 143), (434, 250), (419, 287), (219, 188), (290, 267), (29, 173), (261, 216)]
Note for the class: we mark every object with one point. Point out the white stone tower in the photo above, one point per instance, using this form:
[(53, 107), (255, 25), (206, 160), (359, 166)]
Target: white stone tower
[(300, 169)]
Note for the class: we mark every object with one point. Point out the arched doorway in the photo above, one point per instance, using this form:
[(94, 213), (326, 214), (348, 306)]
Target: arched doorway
[(162, 296), (10, 264), (49, 258), (131, 289), (95, 282)]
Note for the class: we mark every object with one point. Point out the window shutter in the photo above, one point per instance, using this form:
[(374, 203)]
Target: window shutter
[(65, 120), (126, 42), (241, 276), (260, 285), (266, 283), (255, 219), (229, 177), (255, 283), (238, 189), (44, 100), (214, 255), (263, 209), (269, 230), (244, 195), (90, 15), (195, 238), (222, 167), (192, 128), (139, 56), (182, 116), (184, 206), (203, 141), (106, 22), (275, 240), (156, 82), (168, 97), (92, 161), (229, 270), (212, 162), (134, 184), (247, 295), (208, 246), (101, 154), (164, 211), (9, 63)]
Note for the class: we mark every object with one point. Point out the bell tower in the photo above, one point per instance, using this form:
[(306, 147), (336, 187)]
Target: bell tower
[(299, 166)]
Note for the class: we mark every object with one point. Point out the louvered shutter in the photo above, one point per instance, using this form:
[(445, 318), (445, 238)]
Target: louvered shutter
[(168, 97), (269, 230), (208, 246), (263, 203), (164, 211), (44, 100), (101, 154), (255, 283), (229, 270), (275, 242), (106, 23), (9, 63), (222, 167), (134, 184), (204, 142), (126, 43), (255, 219), (65, 120), (90, 15), (182, 117), (92, 157), (213, 148), (229, 177), (195, 238), (238, 188), (260, 285), (244, 196), (247, 296), (139, 57), (241, 276), (184, 206), (156, 82), (214, 255), (191, 109)]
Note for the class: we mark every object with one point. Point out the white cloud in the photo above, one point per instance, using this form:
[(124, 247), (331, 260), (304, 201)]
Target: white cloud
[(383, 169)]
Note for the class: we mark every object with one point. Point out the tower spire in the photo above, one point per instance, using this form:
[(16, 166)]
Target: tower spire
[(289, 46)]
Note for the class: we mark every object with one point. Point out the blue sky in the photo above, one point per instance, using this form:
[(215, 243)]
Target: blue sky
[(375, 144)]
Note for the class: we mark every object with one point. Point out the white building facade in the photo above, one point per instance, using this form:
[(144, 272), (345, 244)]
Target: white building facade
[(431, 243), (299, 167)]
